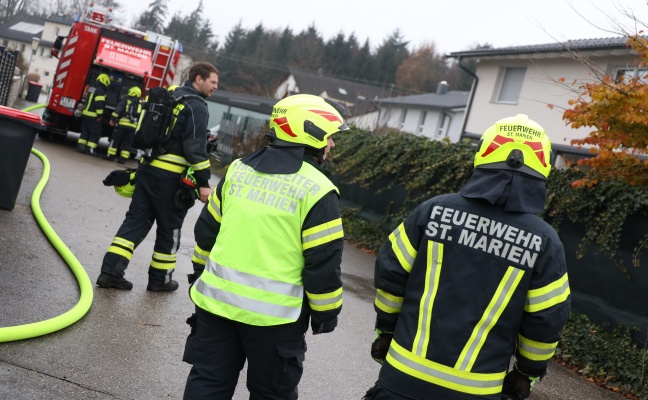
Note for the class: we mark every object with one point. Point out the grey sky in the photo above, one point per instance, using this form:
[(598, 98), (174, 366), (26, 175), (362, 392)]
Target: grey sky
[(452, 25)]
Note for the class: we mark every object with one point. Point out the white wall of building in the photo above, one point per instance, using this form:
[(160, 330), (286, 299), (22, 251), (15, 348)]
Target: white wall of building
[(540, 87)]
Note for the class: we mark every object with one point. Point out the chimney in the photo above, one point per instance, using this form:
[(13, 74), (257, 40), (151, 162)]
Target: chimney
[(442, 88)]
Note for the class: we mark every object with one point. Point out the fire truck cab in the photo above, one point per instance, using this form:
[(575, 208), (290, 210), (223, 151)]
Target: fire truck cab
[(95, 46)]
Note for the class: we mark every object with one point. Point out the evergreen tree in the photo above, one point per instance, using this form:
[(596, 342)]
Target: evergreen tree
[(153, 18), (391, 53)]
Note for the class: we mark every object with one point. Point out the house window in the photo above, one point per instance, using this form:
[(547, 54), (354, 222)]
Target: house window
[(401, 125), (56, 31), (421, 124), (511, 85), (442, 130), (630, 72), (46, 73)]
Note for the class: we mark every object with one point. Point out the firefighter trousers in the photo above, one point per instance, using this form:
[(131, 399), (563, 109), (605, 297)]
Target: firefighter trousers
[(122, 141), (90, 132), (152, 202), (218, 348)]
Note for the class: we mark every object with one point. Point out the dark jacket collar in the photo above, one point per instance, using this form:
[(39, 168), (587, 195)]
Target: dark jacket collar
[(514, 191)]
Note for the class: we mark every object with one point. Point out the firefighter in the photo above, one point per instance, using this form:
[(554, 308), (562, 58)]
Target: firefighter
[(267, 259), (93, 115), (469, 280), (125, 119), (157, 182)]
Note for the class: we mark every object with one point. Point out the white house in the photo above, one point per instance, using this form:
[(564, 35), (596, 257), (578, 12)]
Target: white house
[(526, 80), (434, 115), (22, 32)]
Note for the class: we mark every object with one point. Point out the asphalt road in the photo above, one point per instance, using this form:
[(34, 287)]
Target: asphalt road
[(129, 345)]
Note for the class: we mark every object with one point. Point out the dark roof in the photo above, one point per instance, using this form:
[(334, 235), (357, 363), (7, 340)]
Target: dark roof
[(610, 43), (61, 19), (18, 28), (245, 101), (452, 99), (358, 94)]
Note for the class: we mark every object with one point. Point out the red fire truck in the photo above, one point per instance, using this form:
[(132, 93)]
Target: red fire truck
[(95, 46)]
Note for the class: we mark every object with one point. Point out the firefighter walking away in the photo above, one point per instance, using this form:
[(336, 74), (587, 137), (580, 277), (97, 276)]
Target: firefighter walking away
[(267, 259), (471, 280)]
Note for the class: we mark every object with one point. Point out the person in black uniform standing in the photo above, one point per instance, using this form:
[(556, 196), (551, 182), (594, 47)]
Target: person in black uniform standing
[(93, 116), (470, 280), (124, 119), (157, 182)]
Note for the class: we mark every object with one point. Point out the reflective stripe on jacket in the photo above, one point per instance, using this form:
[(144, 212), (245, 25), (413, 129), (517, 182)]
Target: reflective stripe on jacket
[(96, 101), (264, 212), (464, 286)]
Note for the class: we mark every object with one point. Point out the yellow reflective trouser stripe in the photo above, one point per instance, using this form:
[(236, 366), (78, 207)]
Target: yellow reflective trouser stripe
[(402, 247), (388, 302), (536, 351), (214, 206), (122, 247), (321, 234), (201, 165), (442, 375), (548, 296), (250, 292), (89, 113), (434, 261), (325, 301), (491, 315), (200, 256), (82, 141), (163, 261)]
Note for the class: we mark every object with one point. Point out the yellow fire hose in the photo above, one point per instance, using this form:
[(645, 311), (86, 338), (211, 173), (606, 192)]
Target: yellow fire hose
[(28, 331)]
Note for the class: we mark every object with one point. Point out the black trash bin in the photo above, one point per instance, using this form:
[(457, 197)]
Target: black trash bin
[(33, 91), (18, 130)]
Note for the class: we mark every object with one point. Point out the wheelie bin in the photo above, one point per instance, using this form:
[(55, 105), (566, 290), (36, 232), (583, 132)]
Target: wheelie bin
[(18, 130)]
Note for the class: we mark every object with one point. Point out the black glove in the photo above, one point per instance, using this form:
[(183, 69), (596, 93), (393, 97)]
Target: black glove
[(193, 277), (517, 386), (324, 327), (185, 198), (380, 345), (119, 177)]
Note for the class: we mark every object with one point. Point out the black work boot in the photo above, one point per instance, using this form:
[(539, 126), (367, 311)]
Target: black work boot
[(108, 157), (91, 151), (80, 147), (162, 287), (112, 282), (121, 160)]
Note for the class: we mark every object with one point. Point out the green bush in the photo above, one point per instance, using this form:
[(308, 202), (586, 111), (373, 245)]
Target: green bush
[(426, 168), (608, 357)]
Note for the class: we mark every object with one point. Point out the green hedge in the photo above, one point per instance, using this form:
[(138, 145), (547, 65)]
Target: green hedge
[(426, 168), (610, 358)]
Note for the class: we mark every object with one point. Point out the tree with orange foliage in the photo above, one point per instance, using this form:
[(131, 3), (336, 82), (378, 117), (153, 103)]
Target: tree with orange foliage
[(617, 109)]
